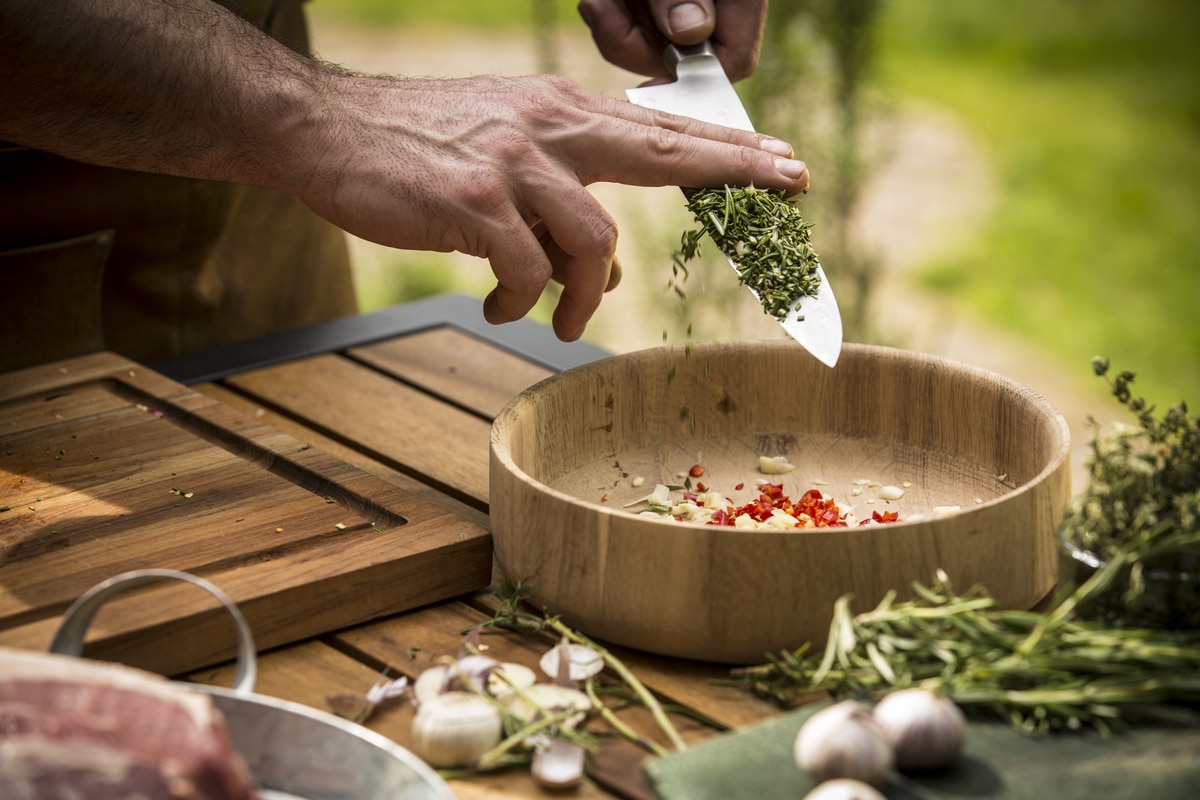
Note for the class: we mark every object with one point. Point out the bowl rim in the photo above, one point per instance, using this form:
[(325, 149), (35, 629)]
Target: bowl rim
[(1061, 453)]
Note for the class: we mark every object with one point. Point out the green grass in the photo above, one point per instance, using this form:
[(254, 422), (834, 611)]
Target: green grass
[(1091, 114)]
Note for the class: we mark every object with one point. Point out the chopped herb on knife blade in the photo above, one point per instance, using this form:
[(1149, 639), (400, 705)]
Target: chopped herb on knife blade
[(764, 235)]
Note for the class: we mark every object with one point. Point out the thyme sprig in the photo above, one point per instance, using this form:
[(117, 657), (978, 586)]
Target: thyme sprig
[(512, 615), (1144, 480), (763, 234)]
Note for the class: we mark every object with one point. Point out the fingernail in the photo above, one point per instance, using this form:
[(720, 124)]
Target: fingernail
[(686, 17), (792, 169), (776, 146)]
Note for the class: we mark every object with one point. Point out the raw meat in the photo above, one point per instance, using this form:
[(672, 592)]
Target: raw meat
[(72, 729)]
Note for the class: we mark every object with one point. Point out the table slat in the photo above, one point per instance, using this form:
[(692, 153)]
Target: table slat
[(398, 425), (454, 365), (346, 451)]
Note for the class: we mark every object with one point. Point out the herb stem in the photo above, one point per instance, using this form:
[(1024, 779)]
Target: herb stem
[(631, 680)]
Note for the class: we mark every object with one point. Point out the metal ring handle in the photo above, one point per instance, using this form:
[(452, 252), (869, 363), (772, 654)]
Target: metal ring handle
[(69, 638)]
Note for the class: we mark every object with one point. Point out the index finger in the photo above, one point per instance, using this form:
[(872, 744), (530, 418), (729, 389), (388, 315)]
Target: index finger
[(661, 149)]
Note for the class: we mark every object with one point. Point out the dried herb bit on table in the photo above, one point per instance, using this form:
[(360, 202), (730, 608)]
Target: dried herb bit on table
[(764, 235)]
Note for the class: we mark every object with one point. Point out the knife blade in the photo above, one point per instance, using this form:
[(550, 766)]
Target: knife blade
[(702, 91)]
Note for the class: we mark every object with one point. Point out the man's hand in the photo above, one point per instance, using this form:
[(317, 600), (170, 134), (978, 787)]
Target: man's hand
[(493, 167), (496, 167), (735, 28)]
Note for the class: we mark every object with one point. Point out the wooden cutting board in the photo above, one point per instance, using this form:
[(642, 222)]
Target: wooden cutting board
[(106, 466)]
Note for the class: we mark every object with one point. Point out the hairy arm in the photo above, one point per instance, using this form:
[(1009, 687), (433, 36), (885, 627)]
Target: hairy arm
[(181, 87), (492, 167)]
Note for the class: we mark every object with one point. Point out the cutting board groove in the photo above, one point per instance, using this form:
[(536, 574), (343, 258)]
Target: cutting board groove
[(107, 467)]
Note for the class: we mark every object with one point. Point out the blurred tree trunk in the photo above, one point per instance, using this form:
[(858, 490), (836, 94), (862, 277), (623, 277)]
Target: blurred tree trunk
[(810, 89)]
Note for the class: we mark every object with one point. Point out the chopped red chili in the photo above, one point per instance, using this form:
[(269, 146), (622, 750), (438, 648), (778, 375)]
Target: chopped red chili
[(812, 510)]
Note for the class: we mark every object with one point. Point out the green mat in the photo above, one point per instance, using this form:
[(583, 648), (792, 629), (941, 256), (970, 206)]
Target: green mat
[(1142, 763)]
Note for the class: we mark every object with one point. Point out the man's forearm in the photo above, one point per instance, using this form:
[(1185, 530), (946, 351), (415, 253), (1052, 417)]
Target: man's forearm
[(182, 87)]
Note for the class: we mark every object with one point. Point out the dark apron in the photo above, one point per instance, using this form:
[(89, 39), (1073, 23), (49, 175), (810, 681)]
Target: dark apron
[(148, 265)]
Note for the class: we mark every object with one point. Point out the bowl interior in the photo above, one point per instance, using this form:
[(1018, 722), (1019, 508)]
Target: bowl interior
[(949, 435)]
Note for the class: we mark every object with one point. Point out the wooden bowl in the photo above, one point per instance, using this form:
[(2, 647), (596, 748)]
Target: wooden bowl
[(565, 453)]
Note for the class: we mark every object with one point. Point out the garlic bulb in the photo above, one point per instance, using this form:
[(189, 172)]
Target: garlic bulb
[(844, 789), (454, 729), (844, 741), (926, 729)]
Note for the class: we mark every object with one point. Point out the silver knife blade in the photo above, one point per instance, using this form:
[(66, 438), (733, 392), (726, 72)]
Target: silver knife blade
[(702, 91)]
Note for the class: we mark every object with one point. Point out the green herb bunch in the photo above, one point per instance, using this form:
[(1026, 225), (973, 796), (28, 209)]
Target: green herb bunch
[(1040, 672), (765, 237), (1144, 484)]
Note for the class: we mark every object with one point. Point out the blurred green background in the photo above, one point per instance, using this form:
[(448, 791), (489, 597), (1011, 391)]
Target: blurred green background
[(1087, 113)]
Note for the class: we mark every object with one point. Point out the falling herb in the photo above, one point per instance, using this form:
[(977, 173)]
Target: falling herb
[(765, 237)]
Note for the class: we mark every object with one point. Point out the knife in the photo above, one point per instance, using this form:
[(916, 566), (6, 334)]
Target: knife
[(701, 90)]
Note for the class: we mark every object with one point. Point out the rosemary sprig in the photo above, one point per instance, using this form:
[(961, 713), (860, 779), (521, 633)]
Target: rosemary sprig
[(765, 237), (1041, 672)]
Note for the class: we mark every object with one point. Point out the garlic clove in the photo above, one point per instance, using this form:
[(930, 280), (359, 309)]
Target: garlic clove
[(429, 683), (508, 679), (500, 682), (844, 741), (584, 662), (927, 730), (661, 496), (774, 465), (844, 789), (558, 765), (454, 729), (540, 697)]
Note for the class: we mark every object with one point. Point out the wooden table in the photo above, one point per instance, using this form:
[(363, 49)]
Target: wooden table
[(397, 406)]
